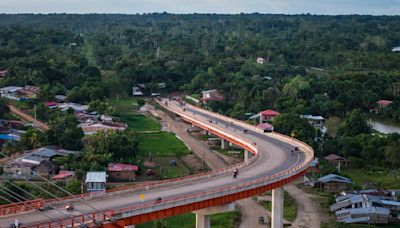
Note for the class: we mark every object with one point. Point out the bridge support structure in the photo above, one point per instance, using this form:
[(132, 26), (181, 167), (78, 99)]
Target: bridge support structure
[(247, 155), (277, 208), (203, 216), (223, 144)]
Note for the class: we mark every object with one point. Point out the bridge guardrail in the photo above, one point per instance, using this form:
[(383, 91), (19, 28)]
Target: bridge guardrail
[(196, 197)]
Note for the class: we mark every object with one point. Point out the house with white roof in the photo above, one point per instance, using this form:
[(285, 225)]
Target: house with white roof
[(334, 183), (96, 181), (363, 208)]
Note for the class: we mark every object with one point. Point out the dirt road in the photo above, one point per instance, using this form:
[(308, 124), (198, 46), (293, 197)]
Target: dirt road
[(42, 126)]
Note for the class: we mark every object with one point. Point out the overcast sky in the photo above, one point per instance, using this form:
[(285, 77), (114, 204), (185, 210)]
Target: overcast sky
[(332, 7)]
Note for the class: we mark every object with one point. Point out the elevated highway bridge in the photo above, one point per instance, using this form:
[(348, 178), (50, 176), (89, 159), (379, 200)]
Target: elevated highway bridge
[(272, 166)]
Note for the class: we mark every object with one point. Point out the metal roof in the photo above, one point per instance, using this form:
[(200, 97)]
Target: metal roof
[(100, 177), (311, 117), (334, 178)]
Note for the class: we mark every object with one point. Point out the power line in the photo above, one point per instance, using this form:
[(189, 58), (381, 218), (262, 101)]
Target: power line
[(42, 189), (11, 195), (55, 185), (35, 197)]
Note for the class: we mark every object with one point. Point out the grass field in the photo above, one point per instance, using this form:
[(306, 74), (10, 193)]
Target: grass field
[(163, 144), (138, 122), (379, 176), (222, 220), (289, 209)]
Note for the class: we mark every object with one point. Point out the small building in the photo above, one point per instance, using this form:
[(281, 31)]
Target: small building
[(211, 95), (315, 121), (122, 172), (267, 115), (362, 208), (96, 181), (336, 160), (266, 127), (383, 104), (93, 128), (260, 60), (46, 168), (10, 92), (64, 176), (396, 49), (60, 98), (162, 85), (3, 73), (136, 92), (74, 106), (333, 183)]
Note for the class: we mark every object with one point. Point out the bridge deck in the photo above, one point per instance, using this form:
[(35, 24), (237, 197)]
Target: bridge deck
[(273, 156)]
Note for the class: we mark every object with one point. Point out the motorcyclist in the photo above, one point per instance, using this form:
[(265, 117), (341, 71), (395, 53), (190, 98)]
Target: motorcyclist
[(235, 173)]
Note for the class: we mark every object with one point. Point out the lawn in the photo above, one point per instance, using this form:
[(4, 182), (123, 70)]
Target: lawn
[(222, 220), (162, 144), (378, 175), (136, 121), (289, 209), (162, 147)]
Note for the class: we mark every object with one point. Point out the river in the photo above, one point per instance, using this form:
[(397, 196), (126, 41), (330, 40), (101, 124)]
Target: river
[(385, 127)]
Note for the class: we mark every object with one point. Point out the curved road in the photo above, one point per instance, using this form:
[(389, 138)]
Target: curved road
[(273, 157)]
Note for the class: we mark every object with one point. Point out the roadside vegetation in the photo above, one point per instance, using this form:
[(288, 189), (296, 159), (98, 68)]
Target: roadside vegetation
[(221, 220)]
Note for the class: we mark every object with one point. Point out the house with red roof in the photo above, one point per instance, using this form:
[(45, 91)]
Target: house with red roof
[(267, 115), (211, 95), (122, 172), (266, 127), (64, 176), (383, 103)]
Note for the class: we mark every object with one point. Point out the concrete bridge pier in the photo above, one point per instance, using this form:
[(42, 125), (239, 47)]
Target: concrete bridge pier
[(223, 144), (277, 208), (203, 216), (247, 155)]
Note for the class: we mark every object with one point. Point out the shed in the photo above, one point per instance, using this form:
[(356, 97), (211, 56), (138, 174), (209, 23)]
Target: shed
[(335, 160), (96, 181), (122, 172)]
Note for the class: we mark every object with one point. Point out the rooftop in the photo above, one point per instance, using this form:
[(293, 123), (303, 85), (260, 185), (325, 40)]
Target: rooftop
[(96, 177), (264, 126), (384, 102), (269, 112), (115, 167), (334, 157), (334, 178), (311, 117), (63, 174)]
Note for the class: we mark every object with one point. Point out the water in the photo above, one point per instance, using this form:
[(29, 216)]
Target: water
[(385, 127)]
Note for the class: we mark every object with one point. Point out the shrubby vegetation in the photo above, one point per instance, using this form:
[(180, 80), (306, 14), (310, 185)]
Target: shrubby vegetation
[(334, 66)]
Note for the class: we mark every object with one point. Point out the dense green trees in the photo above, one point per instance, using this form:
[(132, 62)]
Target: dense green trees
[(64, 131)]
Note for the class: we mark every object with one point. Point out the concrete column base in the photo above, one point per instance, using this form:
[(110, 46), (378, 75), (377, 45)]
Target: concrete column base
[(247, 155), (277, 208), (203, 215), (223, 144), (203, 221)]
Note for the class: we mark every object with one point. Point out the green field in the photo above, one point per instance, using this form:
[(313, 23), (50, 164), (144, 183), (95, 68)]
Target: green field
[(162, 144), (380, 176), (161, 147), (222, 220), (127, 108)]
